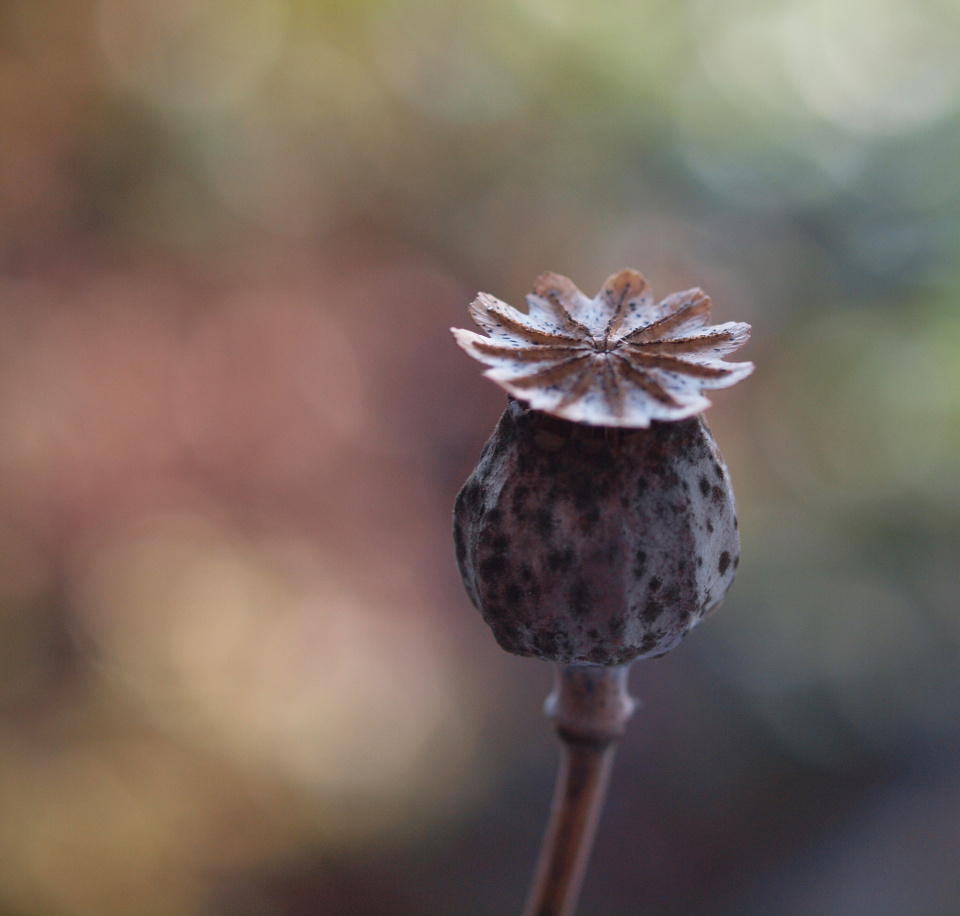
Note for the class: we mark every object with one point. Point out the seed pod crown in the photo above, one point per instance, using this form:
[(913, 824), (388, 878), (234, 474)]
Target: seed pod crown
[(615, 360)]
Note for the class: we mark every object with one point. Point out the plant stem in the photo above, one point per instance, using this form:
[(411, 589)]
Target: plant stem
[(590, 706)]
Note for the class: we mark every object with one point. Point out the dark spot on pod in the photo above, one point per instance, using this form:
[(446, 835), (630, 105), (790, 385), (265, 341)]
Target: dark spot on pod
[(534, 591), (624, 655), (545, 642), (736, 561), (717, 494), (614, 552), (672, 594), (560, 560), (513, 594), (704, 486), (641, 564), (655, 583), (548, 441), (648, 642), (519, 499), (718, 471), (617, 625), (724, 562), (584, 491), (736, 524), (594, 633), (699, 562), (681, 566), (580, 599), (494, 614), (493, 566), (709, 526), (526, 463), (545, 523), (652, 610), (642, 486), (599, 656), (470, 496), (590, 518)]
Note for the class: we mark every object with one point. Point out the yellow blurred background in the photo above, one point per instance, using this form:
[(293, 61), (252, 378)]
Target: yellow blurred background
[(238, 674)]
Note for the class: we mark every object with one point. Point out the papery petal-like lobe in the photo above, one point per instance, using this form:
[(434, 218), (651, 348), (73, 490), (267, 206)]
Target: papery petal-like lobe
[(501, 320), (557, 298), (624, 301), (678, 314)]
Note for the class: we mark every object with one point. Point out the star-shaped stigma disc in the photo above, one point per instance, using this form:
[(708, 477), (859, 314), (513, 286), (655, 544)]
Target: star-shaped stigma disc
[(614, 360)]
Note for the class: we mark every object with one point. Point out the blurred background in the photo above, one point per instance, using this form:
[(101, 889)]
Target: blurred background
[(238, 673)]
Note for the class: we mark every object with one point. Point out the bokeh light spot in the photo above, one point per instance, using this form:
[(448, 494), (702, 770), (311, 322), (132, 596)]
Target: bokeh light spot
[(257, 651)]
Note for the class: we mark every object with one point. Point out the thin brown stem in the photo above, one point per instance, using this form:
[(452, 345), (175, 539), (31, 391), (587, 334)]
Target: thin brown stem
[(590, 706)]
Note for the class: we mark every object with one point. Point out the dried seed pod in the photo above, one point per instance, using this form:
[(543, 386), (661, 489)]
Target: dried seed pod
[(591, 531), (585, 545)]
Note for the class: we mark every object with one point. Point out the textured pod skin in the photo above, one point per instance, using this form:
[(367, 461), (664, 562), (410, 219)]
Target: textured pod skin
[(589, 545)]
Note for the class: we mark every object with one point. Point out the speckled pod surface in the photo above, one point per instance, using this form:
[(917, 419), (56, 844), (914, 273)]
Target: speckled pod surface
[(590, 545)]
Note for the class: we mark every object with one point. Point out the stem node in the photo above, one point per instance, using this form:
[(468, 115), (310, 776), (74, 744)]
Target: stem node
[(590, 707)]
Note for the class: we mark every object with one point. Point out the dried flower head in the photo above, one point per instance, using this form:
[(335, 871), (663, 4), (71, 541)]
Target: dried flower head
[(614, 360)]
